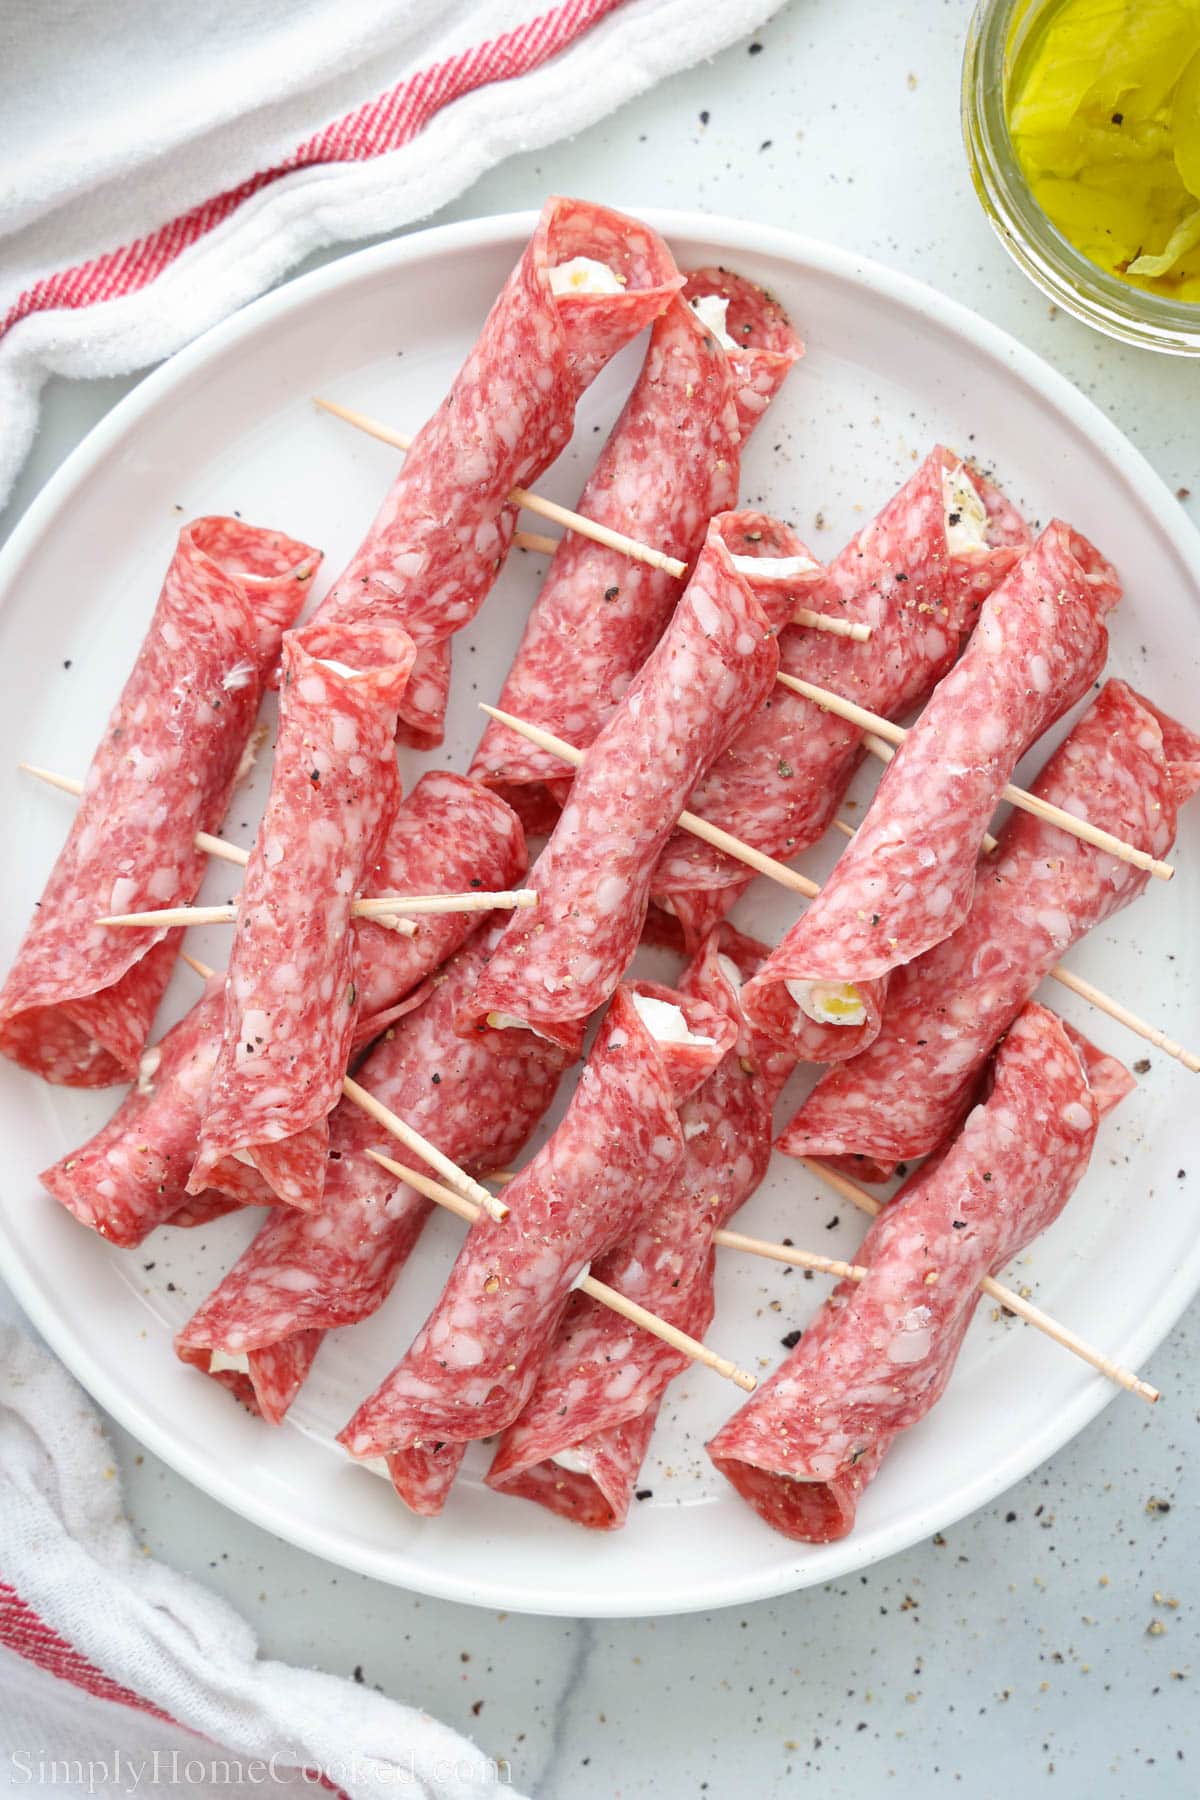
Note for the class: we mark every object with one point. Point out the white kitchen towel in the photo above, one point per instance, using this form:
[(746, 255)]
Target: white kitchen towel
[(164, 163), (120, 1676)]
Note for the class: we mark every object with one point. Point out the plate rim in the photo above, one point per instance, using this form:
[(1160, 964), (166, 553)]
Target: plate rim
[(897, 290)]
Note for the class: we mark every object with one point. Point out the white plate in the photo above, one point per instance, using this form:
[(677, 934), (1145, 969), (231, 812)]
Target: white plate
[(227, 425)]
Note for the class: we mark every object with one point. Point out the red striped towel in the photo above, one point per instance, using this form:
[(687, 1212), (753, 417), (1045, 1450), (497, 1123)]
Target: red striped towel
[(120, 1676), (189, 169)]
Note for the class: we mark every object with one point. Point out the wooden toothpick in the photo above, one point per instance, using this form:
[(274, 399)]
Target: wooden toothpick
[(465, 1185), (203, 840), (1151, 1034), (535, 503), (1008, 1298), (830, 623), (583, 526), (701, 828), (1041, 809), (599, 1290), (385, 909)]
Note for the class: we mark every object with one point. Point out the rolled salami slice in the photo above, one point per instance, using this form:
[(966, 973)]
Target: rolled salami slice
[(476, 1098), (561, 959), (475, 1361), (80, 998), (588, 281), (578, 1445), (132, 1176), (290, 996), (671, 462), (906, 879), (448, 836), (916, 575), (881, 1351), (1125, 767)]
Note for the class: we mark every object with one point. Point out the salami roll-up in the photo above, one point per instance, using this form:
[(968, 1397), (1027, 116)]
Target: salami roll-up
[(476, 1098), (578, 1445), (1125, 767), (291, 1000), (588, 281), (80, 997), (916, 575), (474, 1363), (132, 1175), (881, 1351), (448, 836), (906, 879), (671, 462), (561, 959)]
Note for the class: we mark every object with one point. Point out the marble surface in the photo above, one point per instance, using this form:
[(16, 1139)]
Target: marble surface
[(1051, 1641)]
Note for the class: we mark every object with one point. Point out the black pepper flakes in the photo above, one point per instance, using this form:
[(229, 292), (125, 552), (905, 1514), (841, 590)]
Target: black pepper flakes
[(791, 1339), (644, 1494), (611, 593)]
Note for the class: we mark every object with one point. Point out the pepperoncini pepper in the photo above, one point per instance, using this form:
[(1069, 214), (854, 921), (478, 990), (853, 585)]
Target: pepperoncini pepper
[(1103, 102)]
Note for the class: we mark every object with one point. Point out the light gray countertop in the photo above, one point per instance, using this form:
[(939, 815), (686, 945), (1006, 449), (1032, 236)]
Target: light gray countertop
[(1051, 1641)]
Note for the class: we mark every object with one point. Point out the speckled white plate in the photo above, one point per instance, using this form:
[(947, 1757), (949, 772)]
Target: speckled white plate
[(228, 425)]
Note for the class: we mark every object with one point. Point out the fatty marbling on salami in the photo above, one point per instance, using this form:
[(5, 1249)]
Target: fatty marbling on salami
[(477, 1098), (1125, 767), (561, 959), (880, 1352), (80, 997), (906, 879), (671, 462), (448, 836), (588, 281), (578, 1445), (290, 996), (476, 1359), (916, 576), (132, 1175)]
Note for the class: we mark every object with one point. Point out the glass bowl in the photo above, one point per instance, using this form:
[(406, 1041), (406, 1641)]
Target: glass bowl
[(998, 29)]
